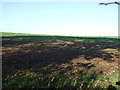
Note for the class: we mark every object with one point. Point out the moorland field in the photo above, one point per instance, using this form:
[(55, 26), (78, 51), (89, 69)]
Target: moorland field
[(51, 61)]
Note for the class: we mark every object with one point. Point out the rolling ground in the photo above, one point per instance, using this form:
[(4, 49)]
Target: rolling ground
[(43, 61)]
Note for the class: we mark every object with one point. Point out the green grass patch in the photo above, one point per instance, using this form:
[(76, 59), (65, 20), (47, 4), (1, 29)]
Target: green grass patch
[(10, 34), (30, 79)]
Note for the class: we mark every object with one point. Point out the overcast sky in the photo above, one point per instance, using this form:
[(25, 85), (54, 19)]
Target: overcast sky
[(60, 18)]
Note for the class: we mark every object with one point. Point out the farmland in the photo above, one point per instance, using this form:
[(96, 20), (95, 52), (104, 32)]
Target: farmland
[(46, 61)]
